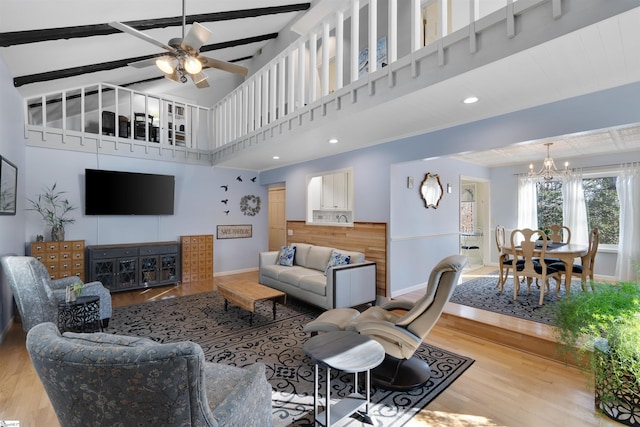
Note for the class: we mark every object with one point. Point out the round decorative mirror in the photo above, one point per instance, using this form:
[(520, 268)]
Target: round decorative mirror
[(431, 190)]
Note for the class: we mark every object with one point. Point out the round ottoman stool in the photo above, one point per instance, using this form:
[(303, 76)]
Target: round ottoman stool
[(332, 320)]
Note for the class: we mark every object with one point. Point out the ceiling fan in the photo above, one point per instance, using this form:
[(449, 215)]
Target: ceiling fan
[(184, 58)]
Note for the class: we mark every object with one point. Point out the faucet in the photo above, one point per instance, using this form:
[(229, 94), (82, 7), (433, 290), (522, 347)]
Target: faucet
[(345, 218)]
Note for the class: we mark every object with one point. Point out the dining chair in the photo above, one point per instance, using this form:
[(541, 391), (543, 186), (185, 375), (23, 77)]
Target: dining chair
[(585, 270), (526, 246), (560, 233), (505, 259)]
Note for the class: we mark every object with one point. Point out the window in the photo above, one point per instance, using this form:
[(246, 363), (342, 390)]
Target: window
[(601, 198), (603, 207)]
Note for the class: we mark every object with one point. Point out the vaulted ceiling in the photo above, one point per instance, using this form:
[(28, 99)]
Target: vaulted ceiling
[(51, 46), (68, 43)]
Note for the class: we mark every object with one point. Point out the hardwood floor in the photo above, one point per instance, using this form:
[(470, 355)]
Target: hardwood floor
[(504, 387)]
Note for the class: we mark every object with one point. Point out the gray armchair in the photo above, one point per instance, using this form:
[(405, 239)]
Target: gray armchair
[(113, 380), (37, 296), (402, 334)]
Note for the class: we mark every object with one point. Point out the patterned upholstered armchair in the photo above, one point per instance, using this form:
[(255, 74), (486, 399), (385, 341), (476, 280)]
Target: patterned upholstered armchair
[(107, 380), (37, 296)]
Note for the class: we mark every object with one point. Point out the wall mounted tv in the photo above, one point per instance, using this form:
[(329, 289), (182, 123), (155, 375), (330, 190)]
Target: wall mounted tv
[(128, 193)]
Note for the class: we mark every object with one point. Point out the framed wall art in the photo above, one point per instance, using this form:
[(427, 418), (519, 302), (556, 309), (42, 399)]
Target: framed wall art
[(242, 231), (8, 187)]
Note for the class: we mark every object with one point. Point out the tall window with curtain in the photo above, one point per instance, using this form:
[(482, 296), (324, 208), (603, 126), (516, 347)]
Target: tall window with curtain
[(527, 203)]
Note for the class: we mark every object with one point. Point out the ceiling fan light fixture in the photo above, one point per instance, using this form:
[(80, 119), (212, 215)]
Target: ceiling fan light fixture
[(192, 65), (165, 63)]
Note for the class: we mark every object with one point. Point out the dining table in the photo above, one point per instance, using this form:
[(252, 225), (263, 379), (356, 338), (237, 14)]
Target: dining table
[(565, 252)]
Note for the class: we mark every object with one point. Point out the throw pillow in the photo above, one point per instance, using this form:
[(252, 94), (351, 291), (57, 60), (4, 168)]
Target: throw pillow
[(337, 258), (287, 253)]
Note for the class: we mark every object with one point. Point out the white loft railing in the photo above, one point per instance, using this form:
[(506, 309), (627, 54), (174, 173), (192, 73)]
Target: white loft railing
[(328, 60), (105, 118)]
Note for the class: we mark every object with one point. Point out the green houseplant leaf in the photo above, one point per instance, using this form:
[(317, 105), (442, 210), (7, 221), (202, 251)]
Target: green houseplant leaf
[(602, 327), (54, 209)]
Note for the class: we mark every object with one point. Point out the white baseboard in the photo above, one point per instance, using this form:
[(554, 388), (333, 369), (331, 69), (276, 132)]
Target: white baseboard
[(418, 287), (227, 273)]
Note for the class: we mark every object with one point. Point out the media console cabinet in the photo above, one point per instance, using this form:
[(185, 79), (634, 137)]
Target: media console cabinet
[(134, 266)]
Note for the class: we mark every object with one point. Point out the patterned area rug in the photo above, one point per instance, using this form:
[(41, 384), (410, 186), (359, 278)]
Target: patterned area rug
[(226, 337), (482, 293)]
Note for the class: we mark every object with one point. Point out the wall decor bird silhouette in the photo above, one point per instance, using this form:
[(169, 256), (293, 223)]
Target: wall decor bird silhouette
[(253, 179), (239, 178), (225, 187), (226, 212), (224, 201)]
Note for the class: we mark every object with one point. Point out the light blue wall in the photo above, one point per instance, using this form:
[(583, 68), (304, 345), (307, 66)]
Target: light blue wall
[(198, 204), (11, 147), (419, 237)]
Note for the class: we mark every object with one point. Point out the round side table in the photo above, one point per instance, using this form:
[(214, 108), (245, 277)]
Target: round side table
[(81, 315), (348, 352)]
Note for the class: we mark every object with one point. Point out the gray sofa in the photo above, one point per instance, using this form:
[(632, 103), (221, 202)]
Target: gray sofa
[(343, 286), (115, 380)]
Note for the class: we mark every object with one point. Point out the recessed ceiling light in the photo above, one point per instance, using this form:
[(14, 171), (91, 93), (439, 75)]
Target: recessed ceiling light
[(333, 141), (276, 157), (471, 100)]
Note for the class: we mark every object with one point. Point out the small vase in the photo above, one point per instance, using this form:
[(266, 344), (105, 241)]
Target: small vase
[(70, 294), (57, 233)]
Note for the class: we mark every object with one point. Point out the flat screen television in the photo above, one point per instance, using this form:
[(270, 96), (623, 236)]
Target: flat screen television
[(128, 193)]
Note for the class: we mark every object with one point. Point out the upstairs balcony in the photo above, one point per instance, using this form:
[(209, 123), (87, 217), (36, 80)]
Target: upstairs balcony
[(349, 63)]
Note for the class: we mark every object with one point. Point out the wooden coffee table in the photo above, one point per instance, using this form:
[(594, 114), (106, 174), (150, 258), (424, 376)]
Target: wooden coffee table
[(245, 294)]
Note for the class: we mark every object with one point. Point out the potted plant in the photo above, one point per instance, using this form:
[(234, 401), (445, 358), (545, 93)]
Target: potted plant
[(73, 292), (54, 210), (602, 328)]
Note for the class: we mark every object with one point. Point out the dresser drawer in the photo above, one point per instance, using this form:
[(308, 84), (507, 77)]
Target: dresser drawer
[(157, 250), (114, 253)]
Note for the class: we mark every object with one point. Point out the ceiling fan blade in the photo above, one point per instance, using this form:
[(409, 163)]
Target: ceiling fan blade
[(174, 76), (198, 77), (196, 37), (144, 63), (200, 80), (132, 31), (224, 66)]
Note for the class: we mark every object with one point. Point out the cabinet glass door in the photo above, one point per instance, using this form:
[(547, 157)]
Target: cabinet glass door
[(104, 271), (127, 272), (149, 270), (169, 267)]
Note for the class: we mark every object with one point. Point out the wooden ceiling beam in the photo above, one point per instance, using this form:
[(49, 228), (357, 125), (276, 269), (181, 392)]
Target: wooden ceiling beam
[(111, 65), (34, 36)]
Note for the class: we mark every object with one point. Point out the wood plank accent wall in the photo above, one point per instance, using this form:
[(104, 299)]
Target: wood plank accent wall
[(367, 237)]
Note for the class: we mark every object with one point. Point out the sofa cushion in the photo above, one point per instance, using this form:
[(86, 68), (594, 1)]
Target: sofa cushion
[(286, 255), (293, 275), (273, 271), (302, 252), (337, 258), (316, 283), (318, 257)]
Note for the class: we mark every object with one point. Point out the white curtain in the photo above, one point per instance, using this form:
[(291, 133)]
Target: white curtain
[(527, 203), (574, 208), (628, 186)]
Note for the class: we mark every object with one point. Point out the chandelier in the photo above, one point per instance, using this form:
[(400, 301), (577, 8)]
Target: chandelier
[(548, 172)]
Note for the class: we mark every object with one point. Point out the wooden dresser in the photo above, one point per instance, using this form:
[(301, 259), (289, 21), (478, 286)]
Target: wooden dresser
[(62, 259), (197, 257)]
